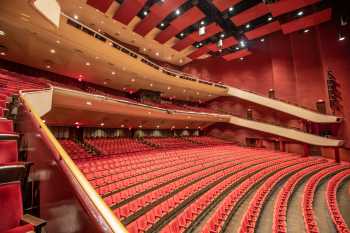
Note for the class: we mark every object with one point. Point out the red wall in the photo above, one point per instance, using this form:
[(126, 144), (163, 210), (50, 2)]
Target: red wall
[(294, 65)]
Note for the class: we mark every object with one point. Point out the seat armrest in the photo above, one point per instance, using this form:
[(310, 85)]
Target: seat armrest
[(37, 223)]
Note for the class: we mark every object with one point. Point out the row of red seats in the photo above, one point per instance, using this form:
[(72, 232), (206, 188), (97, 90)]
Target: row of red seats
[(279, 223), (308, 196), (331, 197), (220, 215), (208, 140), (211, 172), (160, 175), (183, 221), (169, 142), (252, 214), (74, 150)]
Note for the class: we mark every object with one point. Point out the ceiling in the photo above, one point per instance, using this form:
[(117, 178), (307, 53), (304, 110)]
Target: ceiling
[(72, 53), (167, 30)]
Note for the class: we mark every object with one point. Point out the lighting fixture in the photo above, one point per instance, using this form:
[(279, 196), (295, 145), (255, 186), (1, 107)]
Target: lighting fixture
[(162, 24), (113, 72), (230, 9), (87, 63), (220, 44), (110, 43), (145, 13), (262, 40), (97, 58), (182, 34), (140, 126), (247, 26), (237, 48), (242, 58), (169, 88), (341, 37), (58, 42), (184, 90), (202, 22), (76, 123), (222, 35), (242, 43), (122, 126), (88, 103), (157, 126), (48, 67), (300, 13), (102, 124), (76, 17), (157, 53), (123, 68), (132, 80), (177, 12), (44, 121), (80, 79), (306, 30), (104, 83), (151, 84), (2, 33), (180, 60), (2, 53), (52, 51), (201, 31), (270, 18)]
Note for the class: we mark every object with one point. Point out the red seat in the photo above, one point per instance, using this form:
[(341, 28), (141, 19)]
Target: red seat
[(6, 126), (8, 151)]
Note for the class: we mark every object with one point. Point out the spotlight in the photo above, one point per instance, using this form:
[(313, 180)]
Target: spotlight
[(262, 40), (113, 73), (300, 13), (182, 34), (76, 17), (202, 22), (162, 24), (145, 13), (269, 19), (2, 33), (242, 43), (52, 51), (3, 54), (177, 12), (306, 30), (230, 9), (247, 26), (242, 58), (102, 124), (87, 63), (341, 37), (48, 67), (222, 35)]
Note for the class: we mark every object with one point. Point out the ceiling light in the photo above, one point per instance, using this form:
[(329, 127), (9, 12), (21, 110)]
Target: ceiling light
[(157, 54), (202, 22), (132, 80), (58, 42), (157, 126), (123, 68), (269, 19), (88, 103), (145, 13), (44, 121), (201, 31), (102, 124), (2, 53), (181, 61), (200, 44), (76, 17), (197, 93), (341, 37), (151, 84), (242, 43), (186, 127), (48, 67), (88, 63), (80, 79), (110, 43), (80, 75), (306, 30), (2, 33), (262, 40), (209, 95), (222, 35), (122, 126), (182, 34), (242, 58), (237, 48), (52, 51), (300, 13), (113, 72), (230, 9), (169, 88), (177, 12), (104, 82), (247, 26), (162, 24), (97, 58), (144, 49), (140, 126), (184, 90), (76, 123)]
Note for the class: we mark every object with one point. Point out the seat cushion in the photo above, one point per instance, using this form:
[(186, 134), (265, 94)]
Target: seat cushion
[(11, 204), (21, 229)]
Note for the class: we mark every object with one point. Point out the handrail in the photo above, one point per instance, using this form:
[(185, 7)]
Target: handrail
[(166, 70), (105, 212)]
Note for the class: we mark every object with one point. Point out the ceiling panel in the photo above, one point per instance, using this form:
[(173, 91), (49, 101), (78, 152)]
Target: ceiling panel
[(101, 5), (285, 6), (250, 14), (184, 43), (128, 10), (307, 21), (199, 52), (223, 5), (236, 55), (157, 13), (190, 17), (211, 29), (263, 30)]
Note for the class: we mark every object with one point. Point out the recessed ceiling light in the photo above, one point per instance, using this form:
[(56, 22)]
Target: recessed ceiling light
[(151, 84), (80, 75), (52, 51), (48, 67), (122, 126), (80, 79), (76, 123), (2, 33), (102, 124), (300, 13), (242, 43), (132, 80), (162, 24), (104, 82), (2, 53), (58, 42), (44, 121), (181, 61), (341, 37), (306, 30), (269, 19), (200, 44), (231, 8), (169, 88), (76, 17), (88, 63), (157, 54), (97, 58), (113, 73), (247, 26), (242, 58), (182, 34), (262, 39), (145, 13), (237, 48), (157, 126), (177, 12), (222, 35), (144, 49), (202, 22), (140, 126), (88, 103)]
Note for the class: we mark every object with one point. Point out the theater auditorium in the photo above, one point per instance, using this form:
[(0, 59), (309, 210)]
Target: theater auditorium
[(174, 116)]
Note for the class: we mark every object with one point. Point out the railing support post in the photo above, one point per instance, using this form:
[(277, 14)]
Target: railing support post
[(336, 155)]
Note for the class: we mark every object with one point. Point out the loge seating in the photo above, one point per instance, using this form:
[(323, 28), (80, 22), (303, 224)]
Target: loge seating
[(208, 140), (75, 151), (113, 146)]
